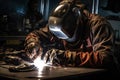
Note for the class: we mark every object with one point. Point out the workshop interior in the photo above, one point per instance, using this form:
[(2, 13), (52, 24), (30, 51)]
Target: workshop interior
[(14, 29)]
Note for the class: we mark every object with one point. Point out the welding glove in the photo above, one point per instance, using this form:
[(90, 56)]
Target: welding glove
[(32, 48), (60, 57)]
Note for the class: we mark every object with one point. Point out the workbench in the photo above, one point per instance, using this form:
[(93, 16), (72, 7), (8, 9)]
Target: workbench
[(51, 73)]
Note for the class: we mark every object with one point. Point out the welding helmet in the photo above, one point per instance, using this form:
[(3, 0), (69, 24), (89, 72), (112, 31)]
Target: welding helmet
[(63, 21)]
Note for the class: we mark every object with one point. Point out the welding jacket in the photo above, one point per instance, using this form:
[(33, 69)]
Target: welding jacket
[(95, 50)]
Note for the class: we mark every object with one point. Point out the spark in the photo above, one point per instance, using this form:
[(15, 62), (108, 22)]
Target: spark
[(40, 64)]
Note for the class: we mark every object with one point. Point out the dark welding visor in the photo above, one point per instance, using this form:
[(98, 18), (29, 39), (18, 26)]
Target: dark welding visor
[(62, 22)]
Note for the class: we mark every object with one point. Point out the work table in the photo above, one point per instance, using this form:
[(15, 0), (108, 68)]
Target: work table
[(50, 73)]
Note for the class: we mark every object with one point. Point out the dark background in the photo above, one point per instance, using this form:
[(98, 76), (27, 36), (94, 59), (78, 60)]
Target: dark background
[(15, 10), (12, 13)]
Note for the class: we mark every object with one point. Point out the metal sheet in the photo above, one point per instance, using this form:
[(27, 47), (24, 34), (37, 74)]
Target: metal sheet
[(48, 72)]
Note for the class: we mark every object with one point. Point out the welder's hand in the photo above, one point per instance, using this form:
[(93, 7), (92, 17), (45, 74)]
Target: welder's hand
[(33, 52), (54, 57), (33, 49), (61, 58)]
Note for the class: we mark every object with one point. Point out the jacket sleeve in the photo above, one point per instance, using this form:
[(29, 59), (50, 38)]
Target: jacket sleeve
[(41, 37), (102, 39), (102, 42)]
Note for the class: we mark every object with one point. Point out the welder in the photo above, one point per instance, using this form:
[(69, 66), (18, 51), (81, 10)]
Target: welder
[(73, 37)]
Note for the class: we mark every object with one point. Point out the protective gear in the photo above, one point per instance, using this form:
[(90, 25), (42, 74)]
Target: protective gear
[(64, 21), (56, 57), (94, 49), (32, 47)]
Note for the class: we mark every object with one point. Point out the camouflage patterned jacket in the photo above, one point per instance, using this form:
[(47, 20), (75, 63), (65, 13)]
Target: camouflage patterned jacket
[(95, 50)]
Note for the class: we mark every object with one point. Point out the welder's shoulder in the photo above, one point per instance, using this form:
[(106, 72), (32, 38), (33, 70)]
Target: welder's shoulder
[(97, 21)]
